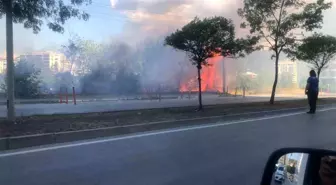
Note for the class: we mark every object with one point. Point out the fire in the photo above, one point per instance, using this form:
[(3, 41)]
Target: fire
[(211, 78)]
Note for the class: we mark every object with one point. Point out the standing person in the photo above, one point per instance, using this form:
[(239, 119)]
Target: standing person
[(312, 91)]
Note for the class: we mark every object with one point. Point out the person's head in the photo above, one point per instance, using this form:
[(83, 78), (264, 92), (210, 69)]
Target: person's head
[(312, 73), (328, 170)]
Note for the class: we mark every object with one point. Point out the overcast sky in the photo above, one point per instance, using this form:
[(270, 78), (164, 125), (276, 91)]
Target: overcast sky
[(132, 21)]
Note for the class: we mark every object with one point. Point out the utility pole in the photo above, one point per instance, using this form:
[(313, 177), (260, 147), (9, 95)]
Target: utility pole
[(10, 61)]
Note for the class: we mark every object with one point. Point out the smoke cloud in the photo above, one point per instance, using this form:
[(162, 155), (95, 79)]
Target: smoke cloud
[(157, 17)]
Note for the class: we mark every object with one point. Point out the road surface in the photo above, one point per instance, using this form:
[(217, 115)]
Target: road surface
[(222, 153), (34, 109)]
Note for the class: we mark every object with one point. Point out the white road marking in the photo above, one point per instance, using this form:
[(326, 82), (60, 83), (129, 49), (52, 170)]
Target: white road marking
[(153, 133)]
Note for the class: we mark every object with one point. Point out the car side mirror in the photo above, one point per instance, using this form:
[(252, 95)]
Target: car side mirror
[(300, 166)]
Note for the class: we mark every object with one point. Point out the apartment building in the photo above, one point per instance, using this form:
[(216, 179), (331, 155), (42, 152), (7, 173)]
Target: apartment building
[(47, 61), (3, 62), (289, 67)]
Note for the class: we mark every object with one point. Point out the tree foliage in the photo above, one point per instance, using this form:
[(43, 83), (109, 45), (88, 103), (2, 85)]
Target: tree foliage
[(243, 81), (73, 51), (26, 81), (203, 39), (82, 54), (103, 80), (34, 13), (318, 50), (279, 23), (207, 38)]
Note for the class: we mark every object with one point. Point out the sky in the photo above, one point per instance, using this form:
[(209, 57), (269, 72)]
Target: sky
[(132, 21)]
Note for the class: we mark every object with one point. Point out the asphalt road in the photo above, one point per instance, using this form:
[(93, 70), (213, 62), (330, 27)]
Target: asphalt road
[(34, 109), (225, 153)]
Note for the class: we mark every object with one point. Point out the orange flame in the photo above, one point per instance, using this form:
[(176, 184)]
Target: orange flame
[(211, 78)]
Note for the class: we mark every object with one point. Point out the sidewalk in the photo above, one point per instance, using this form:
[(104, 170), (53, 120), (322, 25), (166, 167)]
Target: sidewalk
[(104, 106), (83, 99)]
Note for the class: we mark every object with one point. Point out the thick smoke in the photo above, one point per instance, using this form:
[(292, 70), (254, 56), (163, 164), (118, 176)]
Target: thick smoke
[(118, 68), (161, 65)]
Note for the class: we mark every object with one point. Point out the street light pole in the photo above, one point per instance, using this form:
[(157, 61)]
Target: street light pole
[(10, 61)]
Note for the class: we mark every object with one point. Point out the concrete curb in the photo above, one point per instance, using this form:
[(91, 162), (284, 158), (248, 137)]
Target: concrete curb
[(86, 100), (16, 142)]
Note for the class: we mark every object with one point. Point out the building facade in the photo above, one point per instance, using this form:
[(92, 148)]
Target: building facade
[(288, 67), (3, 62), (47, 61)]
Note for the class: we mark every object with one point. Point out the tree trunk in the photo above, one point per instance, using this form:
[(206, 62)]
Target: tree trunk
[(275, 78), (318, 78), (318, 74), (200, 106)]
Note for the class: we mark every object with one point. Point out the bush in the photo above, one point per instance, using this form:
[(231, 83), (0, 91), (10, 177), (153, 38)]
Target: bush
[(103, 80), (26, 81)]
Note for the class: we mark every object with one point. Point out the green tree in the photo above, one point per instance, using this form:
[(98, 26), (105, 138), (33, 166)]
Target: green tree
[(82, 54), (73, 51), (279, 23), (207, 38), (318, 50), (33, 13), (27, 81), (243, 82)]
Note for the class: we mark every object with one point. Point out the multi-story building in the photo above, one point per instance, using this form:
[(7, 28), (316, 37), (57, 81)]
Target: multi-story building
[(47, 61), (289, 67), (3, 63)]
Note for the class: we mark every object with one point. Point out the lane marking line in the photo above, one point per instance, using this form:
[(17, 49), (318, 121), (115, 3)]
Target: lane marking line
[(153, 133)]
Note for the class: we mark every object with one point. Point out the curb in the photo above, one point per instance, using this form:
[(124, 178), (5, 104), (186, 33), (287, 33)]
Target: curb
[(17, 142), (86, 100)]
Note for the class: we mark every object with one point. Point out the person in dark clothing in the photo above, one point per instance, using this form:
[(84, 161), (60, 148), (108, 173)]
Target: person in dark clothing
[(312, 89)]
